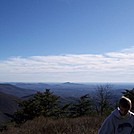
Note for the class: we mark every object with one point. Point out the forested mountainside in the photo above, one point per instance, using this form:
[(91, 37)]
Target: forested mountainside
[(8, 105), (9, 95)]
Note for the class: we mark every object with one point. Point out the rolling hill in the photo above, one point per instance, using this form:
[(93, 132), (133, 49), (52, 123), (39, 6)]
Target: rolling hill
[(16, 91), (8, 105)]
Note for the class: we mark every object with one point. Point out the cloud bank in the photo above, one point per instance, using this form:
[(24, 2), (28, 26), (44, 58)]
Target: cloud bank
[(109, 67)]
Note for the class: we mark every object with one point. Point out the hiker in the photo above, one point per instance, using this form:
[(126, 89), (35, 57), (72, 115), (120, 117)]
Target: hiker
[(120, 121)]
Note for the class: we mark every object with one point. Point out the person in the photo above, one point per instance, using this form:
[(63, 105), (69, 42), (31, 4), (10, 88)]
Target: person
[(121, 120)]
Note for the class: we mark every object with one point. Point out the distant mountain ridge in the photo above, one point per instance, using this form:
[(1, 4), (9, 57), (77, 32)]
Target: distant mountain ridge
[(69, 89), (66, 89), (16, 91), (62, 89)]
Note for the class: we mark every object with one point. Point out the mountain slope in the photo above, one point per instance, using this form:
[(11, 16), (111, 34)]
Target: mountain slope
[(8, 105), (16, 91)]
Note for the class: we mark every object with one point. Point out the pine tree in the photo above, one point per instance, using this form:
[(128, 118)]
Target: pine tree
[(45, 104)]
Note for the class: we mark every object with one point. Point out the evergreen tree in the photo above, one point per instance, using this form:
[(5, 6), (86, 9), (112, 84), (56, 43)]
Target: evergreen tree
[(45, 104), (82, 107)]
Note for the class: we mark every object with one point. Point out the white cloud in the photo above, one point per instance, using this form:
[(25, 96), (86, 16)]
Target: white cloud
[(112, 66)]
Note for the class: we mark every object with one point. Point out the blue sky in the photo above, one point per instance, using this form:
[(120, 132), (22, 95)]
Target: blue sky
[(66, 40)]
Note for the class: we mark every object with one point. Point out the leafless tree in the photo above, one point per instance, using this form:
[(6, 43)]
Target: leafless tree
[(102, 98)]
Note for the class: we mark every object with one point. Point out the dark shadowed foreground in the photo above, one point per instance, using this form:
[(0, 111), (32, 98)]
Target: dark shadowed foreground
[(42, 125)]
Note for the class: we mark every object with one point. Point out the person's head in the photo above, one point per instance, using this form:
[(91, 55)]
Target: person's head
[(124, 105)]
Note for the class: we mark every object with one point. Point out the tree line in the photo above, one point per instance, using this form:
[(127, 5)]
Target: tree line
[(49, 105)]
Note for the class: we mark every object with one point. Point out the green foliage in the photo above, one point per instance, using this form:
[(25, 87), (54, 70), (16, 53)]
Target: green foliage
[(48, 105), (27, 111), (82, 107), (45, 104)]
